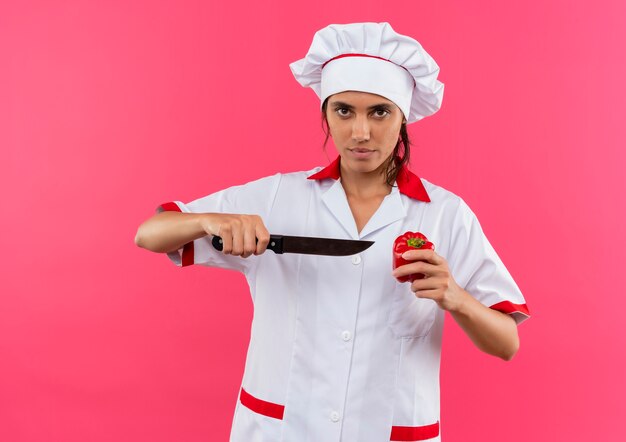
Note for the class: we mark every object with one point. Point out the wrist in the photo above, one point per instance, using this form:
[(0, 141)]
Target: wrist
[(462, 303), (204, 224)]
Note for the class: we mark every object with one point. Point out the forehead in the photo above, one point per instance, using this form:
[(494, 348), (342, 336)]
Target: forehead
[(359, 98)]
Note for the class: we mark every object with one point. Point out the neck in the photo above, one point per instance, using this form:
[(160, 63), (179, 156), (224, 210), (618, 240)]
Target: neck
[(364, 185)]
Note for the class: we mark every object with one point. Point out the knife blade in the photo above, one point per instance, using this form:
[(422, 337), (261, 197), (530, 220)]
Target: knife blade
[(309, 245)]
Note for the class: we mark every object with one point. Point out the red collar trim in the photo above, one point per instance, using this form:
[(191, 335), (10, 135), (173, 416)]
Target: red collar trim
[(409, 184)]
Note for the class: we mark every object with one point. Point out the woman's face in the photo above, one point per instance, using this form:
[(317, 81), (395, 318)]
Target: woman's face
[(365, 129)]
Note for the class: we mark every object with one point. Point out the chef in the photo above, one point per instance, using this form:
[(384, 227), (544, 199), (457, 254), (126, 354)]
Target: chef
[(340, 350)]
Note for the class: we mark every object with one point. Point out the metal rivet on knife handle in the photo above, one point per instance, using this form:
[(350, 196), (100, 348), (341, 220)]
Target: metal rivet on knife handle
[(217, 243)]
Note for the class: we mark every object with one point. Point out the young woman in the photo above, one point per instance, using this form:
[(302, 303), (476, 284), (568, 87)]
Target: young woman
[(340, 349)]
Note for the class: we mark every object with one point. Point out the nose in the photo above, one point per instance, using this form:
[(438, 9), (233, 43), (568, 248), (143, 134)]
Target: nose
[(360, 129)]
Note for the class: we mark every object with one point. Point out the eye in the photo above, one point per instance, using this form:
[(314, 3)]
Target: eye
[(339, 109), (385, 112)]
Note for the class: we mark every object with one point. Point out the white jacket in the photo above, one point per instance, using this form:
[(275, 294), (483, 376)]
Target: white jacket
[(339, 350)]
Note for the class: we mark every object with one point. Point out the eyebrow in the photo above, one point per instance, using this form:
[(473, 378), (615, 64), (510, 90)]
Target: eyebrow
[(349, 106)]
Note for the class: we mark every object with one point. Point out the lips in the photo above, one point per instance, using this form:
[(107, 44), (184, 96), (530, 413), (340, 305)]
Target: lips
[(361, 153)]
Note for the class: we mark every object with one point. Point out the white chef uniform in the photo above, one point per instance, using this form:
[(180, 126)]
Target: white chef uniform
[(339, 350)]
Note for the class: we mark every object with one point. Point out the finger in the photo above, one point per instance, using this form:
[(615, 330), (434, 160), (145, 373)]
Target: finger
[(422, 255), (416, 267), (226, 233), (428, 294), (237, 240), (264, 239), (249, 241), (426, 284)]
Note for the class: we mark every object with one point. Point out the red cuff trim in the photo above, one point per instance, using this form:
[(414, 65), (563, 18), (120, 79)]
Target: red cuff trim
[(415, 433), (172, 207), (187, 259), (509, 307), (261, 407), (188, 254)]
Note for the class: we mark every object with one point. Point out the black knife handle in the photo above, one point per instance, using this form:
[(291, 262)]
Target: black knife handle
[(275, 244)]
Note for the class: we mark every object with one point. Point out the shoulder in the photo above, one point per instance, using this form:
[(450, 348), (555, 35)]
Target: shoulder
[(440, 196), (281, 179), (449, 207), (457, 210), (297, 179), (302, 175), (293, 175), (271, 185)]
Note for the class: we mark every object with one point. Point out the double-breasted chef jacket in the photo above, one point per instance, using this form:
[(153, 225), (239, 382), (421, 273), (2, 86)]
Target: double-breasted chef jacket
[(339, 349)]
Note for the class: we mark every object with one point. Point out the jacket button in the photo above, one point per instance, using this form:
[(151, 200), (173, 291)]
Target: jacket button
[(346, 335), (356, 260), (334, 416)]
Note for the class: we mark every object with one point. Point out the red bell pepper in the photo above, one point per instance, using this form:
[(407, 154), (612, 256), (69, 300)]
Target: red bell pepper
[(403, 243)]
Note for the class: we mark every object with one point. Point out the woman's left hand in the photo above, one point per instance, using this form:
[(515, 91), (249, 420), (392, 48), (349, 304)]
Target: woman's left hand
[(492, 331), (438, 285)]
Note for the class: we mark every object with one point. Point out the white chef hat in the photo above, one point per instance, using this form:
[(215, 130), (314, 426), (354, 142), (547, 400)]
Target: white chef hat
[(372, 57)]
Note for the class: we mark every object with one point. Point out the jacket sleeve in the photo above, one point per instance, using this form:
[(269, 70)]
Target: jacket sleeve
[(253, 198), (477, 268)]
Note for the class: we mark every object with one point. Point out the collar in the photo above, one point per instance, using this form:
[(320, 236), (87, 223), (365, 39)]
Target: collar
[(408, 183)]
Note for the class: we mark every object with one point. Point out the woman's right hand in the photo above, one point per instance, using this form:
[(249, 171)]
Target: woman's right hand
[(239, 233)]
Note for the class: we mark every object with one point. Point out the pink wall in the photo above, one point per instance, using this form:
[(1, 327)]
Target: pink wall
[(108, 109)]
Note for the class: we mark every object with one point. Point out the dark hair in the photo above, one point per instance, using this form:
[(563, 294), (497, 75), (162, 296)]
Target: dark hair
[(399, 157)]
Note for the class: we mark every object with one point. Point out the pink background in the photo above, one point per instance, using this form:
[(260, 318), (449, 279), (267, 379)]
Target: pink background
[(108, 109)]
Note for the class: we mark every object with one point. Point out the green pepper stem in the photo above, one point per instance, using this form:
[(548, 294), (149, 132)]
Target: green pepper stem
[(415, 242)]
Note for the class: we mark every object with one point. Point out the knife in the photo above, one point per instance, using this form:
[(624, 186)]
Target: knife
[(309, 245)]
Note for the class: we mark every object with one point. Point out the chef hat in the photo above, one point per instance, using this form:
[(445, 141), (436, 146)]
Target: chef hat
[(372, 57)]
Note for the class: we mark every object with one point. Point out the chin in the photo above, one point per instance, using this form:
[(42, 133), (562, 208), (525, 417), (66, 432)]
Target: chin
[(364, 166)]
